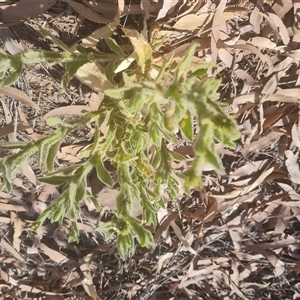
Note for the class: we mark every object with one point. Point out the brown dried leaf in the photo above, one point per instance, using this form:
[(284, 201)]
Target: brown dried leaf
[(271, 85), (17, 230), (262, 42), (282, 28), (24, 120), (53, 254), (192, 21), (47, 191), (66, 110), (92, 74), (85, 267), (37, 240), (273, 26), (179, 235), (167, 6), (9, 128), (272, 258), (19, 96), (7, 278), (249, 168), (164, 225), (283, 220), (255, 20), (292, 166), (265, 141), (12, 250), (13, 207), (293, 92), (245, 76), (265, 58), (215, 31), (87, 13), (281, 8), (162, 259), (95, 100), (295, 135), (248, 189)]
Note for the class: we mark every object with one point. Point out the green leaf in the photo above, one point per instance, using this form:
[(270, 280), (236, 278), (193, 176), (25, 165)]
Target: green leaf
[(139, 231), (53, 39), (73, 237), (52, 121), (112, 44), (163, 68), (110, 225), (185, 64), (186, 125), (81, 190), (13, 75), (93, 200), (123, 245), (55, 180), (102, 173), (52, 155), (70, 70), (110, 72), (13, 145)]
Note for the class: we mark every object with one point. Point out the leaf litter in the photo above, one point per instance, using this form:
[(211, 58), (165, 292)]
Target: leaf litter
[(237, 238)]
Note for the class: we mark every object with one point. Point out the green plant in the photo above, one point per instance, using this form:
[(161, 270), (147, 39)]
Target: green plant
[(146, 113)]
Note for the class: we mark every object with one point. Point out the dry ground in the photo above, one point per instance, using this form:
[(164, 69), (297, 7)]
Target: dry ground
[(238, 237)]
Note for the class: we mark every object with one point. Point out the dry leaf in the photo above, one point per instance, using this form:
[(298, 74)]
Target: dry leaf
[(95, 100), (12, 250), (66, 110), (215, 31), (248, 189), (192, 21), (167, 5), (53, 255), (273, 26), (92, 74), (19, 96), (17, 230), (7, 129), (262, 42), (87, 13), (272, 258), (282, 29), (265, 58), (182, 238), (162, 259), (292, 166)]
